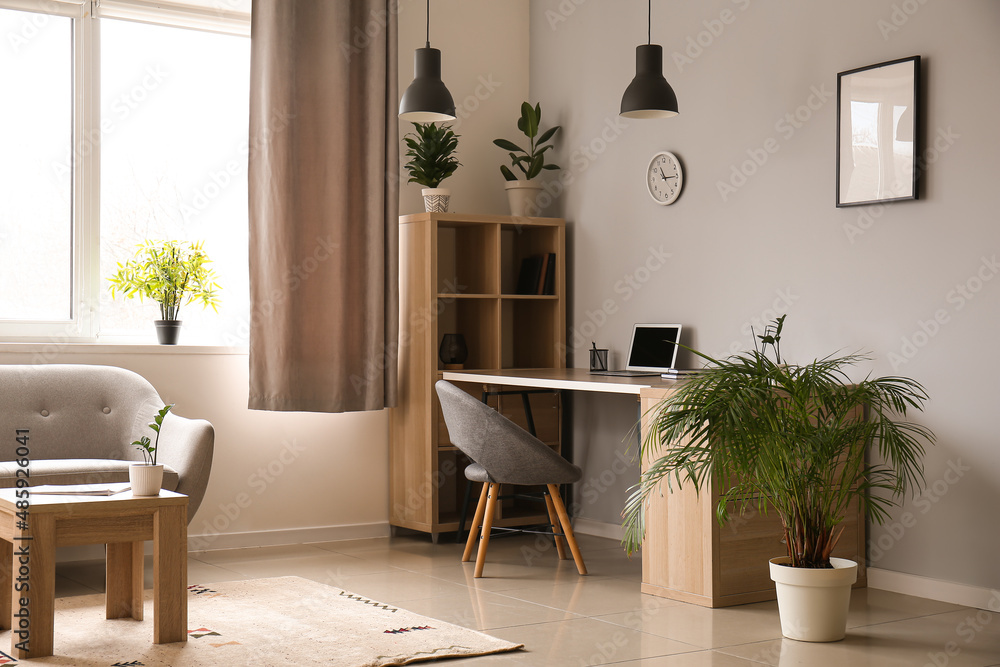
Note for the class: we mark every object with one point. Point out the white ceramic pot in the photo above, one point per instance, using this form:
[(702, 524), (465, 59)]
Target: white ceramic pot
[(522, 197), (436, 200), (145, 479), (813, 603)]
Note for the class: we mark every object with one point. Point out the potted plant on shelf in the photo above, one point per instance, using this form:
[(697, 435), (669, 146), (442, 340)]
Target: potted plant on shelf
[(170, 273), (146, 478), (432, 160), (792, 438), (522, 195)]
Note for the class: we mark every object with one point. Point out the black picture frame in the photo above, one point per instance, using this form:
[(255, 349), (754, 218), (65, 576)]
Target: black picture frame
[(878, 133)]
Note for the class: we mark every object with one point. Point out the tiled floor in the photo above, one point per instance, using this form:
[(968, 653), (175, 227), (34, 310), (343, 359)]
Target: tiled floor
[(530, 597)]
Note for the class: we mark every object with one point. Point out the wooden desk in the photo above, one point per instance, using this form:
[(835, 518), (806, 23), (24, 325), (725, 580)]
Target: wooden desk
[(572, 379), (687, 555), (121, 522)]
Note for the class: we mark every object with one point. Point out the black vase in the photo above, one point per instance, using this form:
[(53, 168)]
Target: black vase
[(167, 331), (453, 351)]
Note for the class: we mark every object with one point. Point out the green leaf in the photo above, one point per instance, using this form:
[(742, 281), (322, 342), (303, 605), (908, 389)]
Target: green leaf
[(508, 145), (536, 167), (548, 134), (507, 173), (530, 120)]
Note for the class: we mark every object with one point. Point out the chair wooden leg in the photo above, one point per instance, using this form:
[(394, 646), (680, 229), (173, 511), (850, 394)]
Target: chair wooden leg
[(567, 528), (484, 541), (554, 522), (477, 519)]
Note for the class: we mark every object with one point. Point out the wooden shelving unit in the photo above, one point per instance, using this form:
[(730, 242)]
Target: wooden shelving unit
[(459, 274)]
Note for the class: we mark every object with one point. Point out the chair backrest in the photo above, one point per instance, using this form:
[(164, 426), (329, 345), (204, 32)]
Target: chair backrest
[(509, 454), (75, 411)]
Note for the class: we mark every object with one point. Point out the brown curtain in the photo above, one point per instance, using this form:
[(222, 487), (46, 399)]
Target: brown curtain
[(323, 205)]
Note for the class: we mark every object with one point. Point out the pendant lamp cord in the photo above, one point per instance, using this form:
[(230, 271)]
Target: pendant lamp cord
[(649, 23), (429, 24)]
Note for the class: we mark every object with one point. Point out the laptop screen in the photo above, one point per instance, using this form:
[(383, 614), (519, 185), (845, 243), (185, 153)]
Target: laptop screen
[(654, 347)]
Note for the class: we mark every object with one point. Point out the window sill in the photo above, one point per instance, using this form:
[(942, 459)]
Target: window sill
[(115, 347)]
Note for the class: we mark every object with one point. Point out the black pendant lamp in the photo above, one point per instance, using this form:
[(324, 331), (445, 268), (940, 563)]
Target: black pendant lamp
[(427, 100), (649, 95)]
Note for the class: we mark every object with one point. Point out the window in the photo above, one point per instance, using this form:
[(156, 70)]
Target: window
[(125, 130), (36, 197)]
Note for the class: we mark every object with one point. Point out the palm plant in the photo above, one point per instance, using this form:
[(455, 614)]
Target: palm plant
[(792, 437), (531, 162), (170, 273), (431, 152)]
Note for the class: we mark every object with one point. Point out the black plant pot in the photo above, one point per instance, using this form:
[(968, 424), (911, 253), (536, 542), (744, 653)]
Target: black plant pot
[(167, 331)]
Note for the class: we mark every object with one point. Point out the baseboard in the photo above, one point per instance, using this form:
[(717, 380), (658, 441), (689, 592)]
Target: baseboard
[(258, 538), (612, 531), (271, 538), (934, 589)]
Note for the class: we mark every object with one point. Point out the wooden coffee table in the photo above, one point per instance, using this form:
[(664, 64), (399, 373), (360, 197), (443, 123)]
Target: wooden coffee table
[(123, 523)]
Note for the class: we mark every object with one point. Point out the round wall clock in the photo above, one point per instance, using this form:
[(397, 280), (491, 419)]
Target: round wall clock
[(664, 178)]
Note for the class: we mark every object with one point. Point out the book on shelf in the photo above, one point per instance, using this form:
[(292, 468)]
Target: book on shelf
[(80, 489), (531, 273), (548, 285)]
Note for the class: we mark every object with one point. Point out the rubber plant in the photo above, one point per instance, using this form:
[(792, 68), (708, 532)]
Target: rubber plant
[(788, 437), (149, 447), (432, 154), (171, 273), (530, 162)]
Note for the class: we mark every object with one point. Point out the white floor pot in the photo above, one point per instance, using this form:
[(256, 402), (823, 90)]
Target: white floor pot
[(523, 198), (813, 603), (145, 479), (436, 200)]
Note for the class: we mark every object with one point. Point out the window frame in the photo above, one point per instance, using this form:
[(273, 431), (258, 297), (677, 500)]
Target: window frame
[(84, 322)]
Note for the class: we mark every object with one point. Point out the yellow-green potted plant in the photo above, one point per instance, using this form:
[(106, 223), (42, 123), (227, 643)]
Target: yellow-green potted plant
[(793, 439), (171, 273)]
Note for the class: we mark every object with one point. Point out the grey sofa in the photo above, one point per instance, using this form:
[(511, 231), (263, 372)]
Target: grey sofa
[(81, 420)]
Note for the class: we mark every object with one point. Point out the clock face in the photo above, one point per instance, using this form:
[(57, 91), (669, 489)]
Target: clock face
[(664, 178)]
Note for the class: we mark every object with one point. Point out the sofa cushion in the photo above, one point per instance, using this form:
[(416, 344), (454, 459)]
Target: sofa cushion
[(77, 471)]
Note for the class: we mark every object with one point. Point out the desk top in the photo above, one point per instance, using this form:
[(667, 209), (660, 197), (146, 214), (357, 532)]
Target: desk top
[(578, 379)]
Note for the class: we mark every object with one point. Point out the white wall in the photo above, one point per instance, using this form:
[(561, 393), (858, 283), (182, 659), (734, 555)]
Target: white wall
[(778, 244), (484, 51)]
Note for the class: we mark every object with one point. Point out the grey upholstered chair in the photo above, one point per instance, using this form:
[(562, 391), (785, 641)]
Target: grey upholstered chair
[(503, 453)]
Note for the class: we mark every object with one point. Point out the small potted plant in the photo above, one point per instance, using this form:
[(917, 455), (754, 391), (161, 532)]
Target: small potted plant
[(792, 438), (432, 160), (146, 478), (522, 195), (170, 273)]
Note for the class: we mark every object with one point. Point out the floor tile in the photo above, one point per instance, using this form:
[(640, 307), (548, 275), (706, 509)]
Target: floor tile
[(482, 610), (592, 597), (703, 627), (585, 641), (967, 638)]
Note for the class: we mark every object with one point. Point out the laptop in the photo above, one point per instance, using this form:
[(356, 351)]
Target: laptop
[(652, 351)]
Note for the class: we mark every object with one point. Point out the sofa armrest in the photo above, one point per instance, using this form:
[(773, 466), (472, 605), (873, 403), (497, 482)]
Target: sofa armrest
[(187, 445)]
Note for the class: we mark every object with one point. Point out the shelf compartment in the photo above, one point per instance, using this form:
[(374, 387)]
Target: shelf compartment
[(467, 261), (530, 334), (519, 242), (477, 321)]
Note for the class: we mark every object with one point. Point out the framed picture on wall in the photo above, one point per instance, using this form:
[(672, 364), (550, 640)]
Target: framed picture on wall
[(878, 142)]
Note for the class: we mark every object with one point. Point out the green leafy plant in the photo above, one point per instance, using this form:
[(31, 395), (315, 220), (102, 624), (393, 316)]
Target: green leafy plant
[(531, 162), (149, 447), (170, 273), (790, 437), (431, 154)]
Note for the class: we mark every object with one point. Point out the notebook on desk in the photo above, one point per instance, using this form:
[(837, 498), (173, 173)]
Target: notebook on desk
[(652, 351)]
